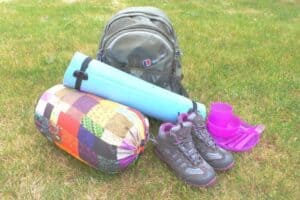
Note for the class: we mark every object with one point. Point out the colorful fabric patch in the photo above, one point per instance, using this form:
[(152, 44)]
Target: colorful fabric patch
[(68, 142), (118, 125), (111, 138), (75, 113), (142, 126), (85, 103), (48, 111), (109, 105), (64, 107), (125, 149), (71, 98), (94, 97), (94, 128), (40, 108), (86, 142), (100, 115), (42, 125), (106, 150), (47, 96), (88, 155), (133, 137), (62, 92), (86, 138), (68, 123), (106, 165), (54, 115)]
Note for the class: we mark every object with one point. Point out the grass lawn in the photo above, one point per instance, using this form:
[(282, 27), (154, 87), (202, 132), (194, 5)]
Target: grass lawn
[(242, 52)]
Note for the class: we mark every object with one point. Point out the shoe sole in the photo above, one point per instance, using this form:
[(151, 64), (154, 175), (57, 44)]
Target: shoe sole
[(230, 166), (209, 184)]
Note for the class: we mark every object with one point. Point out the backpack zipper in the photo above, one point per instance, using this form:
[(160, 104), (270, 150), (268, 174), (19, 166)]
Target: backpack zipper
[(143, 14), (138, 28)]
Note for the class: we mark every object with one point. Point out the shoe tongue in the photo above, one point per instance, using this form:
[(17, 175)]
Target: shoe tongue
[(177, 129), (198, 120), (192, 116)]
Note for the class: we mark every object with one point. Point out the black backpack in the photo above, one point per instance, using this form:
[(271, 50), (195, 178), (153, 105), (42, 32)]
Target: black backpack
[(141, 41)]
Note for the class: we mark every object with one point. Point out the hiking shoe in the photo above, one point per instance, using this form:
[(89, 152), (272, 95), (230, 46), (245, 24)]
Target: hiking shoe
[(174, 145), (217, 157)]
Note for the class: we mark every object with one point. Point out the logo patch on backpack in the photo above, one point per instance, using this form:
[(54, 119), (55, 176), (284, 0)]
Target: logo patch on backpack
[(147, 62)]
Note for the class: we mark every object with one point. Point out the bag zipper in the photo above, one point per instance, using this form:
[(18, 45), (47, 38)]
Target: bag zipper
[(143, 27), (143, 14)]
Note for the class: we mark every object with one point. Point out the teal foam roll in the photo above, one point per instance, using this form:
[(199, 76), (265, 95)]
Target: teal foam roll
[(116, 85)]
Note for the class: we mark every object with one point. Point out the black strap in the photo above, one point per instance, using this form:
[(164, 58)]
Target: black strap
[(194, 106), (81, 74)]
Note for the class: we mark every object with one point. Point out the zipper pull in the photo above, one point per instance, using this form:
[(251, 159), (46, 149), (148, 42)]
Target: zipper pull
[(178, 53)]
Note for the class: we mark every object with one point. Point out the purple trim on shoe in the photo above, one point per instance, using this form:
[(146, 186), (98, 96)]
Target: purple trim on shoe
[(211, 183), (182, 117), (165, 127)]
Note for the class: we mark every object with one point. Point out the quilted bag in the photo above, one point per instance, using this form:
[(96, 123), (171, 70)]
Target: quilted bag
[(103, 134)]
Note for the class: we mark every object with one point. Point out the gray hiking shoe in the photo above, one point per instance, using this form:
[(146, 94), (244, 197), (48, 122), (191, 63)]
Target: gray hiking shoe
[(175, 147), (217, 157)]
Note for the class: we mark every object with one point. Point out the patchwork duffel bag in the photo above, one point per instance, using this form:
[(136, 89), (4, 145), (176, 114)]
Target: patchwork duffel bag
[(103, 134)]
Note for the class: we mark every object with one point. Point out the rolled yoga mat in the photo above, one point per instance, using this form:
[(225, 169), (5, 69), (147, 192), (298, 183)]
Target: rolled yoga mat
[(93, 76)]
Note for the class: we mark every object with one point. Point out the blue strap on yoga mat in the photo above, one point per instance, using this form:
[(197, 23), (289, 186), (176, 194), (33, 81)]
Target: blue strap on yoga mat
[(108, 82)]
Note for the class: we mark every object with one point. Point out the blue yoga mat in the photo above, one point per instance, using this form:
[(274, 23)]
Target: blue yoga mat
[(108, 82)]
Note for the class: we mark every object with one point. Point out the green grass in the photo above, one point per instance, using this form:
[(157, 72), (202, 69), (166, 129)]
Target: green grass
[(242, 52)]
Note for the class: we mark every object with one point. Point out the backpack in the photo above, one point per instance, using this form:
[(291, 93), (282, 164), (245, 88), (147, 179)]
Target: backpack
[(141, 41)]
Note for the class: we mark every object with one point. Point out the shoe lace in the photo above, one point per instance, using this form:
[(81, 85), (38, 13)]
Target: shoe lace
[(202, 133), (186, 146)]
